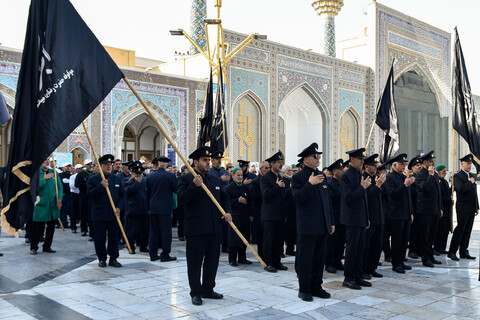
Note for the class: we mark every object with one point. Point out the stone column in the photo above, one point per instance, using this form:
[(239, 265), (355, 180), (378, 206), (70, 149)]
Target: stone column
[(197, 25)]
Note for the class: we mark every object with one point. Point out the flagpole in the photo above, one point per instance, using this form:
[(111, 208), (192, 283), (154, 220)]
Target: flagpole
[(56, 187), (108, 190), (453, 172), (204, 187), (370, 135)]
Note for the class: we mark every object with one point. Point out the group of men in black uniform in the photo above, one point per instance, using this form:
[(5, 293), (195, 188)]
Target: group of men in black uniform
[(354, 212)]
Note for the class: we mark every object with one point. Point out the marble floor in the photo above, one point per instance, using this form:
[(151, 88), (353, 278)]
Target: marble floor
[(69, 285)]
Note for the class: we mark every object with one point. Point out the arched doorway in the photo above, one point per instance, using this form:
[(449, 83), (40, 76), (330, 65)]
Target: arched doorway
[(303, 123), (142, 140), (349, 131), (79, 155), (247, 130), (421, 128)]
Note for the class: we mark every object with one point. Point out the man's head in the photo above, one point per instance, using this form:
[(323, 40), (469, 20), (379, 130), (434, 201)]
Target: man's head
[(327, 172), (311, 156), (106, 163), (276, 162), (399, 163), (46, 164), (175, 169), (370, 164), (441, 170), (237, 175), (294, 169), (336, 169), (263, 168), (466, 163), (243, 164), (356, 158), (415, 164), (201, 159), (253, 169), (117, 165), (428, 160), (67, 167), (217, 159), (88, 164), (287, 171)]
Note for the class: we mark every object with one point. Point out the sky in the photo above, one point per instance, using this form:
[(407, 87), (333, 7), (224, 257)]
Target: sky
[(143, 25)]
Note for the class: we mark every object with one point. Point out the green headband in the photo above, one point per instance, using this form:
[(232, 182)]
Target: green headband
[(440, 167)]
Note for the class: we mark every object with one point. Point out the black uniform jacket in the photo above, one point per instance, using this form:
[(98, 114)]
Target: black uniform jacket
[(136, 197), (240, 212), (101, 207), (467, 199), (272, 198), (399, 197), (429, 199), (353, 207), (375, 210), (256, 197), (201, 216), (313, 204), (161, 185), (335, 196)]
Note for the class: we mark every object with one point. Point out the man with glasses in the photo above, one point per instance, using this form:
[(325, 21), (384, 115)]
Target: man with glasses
[(354, 215)]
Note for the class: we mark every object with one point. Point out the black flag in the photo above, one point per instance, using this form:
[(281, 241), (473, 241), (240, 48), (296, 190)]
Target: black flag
[(65, 74), (219, 132), (387, 120), (464, 117), (206, 123)]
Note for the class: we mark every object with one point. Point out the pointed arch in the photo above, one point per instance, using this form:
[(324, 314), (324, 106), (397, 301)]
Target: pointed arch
[(349, 130)]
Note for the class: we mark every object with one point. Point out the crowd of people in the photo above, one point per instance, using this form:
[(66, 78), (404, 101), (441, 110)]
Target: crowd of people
[(338, 219)]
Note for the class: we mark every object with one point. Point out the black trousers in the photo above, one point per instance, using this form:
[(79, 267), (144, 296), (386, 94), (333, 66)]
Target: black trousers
[(257, 225), (180, 221), (237, 253), (335, 247), (462, 232), (387, 249), (272, 241), (426, 236), (413, 239), (224, 235), (310, 261), (84, 213), (160, 227), (354, 252), (290, 234), (66, 209), (136, 228), (399, 231), (37, 229), (203, 252), (373, 248), (443, 229), (102, 229), (75, 212)]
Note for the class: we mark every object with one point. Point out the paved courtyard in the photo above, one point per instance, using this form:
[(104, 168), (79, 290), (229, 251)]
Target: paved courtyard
[(69, 285)]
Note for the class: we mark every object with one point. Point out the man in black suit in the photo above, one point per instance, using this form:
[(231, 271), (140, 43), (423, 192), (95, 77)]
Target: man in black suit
[(315, 222), (400, 210), (103, 219), (429, 208), (415, 165), (256, 196), (336, 241), (467, 208), (161, 185), (444, 226), (354, 215), (273, 215), (85, 201), (373, 238), (202, 224)]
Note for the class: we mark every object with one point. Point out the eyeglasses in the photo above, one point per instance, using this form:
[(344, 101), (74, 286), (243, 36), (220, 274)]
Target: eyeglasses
[(316, 156)]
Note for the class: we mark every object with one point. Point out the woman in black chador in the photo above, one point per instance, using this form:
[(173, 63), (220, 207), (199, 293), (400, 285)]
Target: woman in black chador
[(241, 215)]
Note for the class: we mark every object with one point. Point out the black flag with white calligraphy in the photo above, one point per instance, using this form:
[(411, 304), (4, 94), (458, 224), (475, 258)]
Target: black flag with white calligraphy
[(65, 74)]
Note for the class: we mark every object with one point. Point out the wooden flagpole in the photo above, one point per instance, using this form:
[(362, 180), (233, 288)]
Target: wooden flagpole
[(108, 190), (453, 172), (56, 188), (370, 135), (204, 187)]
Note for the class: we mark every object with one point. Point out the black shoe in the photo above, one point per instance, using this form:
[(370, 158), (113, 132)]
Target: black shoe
[(428, 264), (340, 267), (83, 234), (351, 285), (405, 259), (233, 264), (42, 239), (467, 256), (245, 262), (406, 267), (114, 263), (143, 249), (155, 258), (33, 251), (321, 293), (167, 258), (305, 296), (436, 252), (388, 260), (281, 267), (366, 276), (28, 240), (380, 264), (413, 255), (443, 251), (90, 239), (375, 274), (133, 251), (434, 261), (74, 230), (290, 253), (181, 238), (212, 295), (331, 269), (398, 269), (282, 255), (224, 250), (270, 269), (453, 256), (363, 283), (102, 264), (197, 300), (49, 250)]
